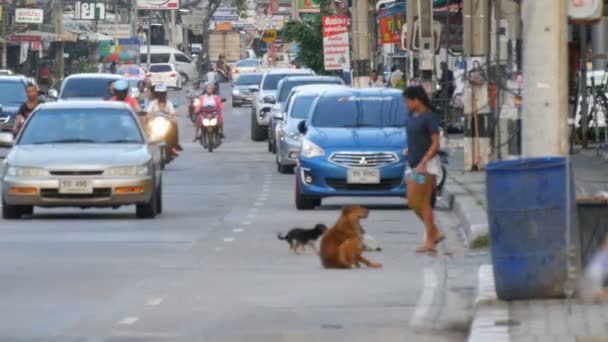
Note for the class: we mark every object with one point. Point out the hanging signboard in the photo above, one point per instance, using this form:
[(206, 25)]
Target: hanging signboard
[(116, 31), (310, 6), (157, 4), (336, 47), (90, 10), (390, 28), (585, 11), (29, 16)]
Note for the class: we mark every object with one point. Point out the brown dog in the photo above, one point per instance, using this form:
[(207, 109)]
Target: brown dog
[(341, 246)]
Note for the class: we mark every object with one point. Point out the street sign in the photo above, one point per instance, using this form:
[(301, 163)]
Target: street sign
[(585, 11), (269, 36), (116, 31), (29, 16), (190, 21), (91, 10), (225, 18), (157, 4)]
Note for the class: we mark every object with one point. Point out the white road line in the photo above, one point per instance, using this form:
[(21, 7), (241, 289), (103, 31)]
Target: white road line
[(155, 301), (238, 230), (259, 204), (128, 320), (228, 239), (250, 216), (218, 249), (245, 223), (429, 284)]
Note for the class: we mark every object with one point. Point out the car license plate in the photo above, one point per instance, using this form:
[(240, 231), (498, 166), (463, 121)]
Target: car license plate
[(75, 186), (363, 176)]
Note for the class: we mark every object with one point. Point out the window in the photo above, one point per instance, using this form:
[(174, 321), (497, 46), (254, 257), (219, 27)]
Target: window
[(356, 111), (180, 58), (286, 87), (12, 93), (161, 68), (86, 88), (301, 106), (248, 63), (155, 58), (248, 79), (94, 126)]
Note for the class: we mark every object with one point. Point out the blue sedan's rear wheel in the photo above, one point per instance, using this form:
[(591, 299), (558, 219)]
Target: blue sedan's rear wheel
[(305, 202)]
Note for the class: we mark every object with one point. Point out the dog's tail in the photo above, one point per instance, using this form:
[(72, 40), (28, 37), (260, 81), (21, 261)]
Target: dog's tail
[(281, 237)]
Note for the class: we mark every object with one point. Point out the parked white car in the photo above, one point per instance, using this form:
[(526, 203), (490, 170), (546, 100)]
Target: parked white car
[(164, 54), (165, 73)]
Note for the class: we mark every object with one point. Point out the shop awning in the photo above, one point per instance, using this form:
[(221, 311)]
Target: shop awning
[(37, 36)]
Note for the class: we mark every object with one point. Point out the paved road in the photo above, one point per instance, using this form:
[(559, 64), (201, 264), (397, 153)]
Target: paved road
[(211, 269)]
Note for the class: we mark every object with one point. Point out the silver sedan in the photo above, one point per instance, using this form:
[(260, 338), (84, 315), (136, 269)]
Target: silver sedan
[(81, 154)]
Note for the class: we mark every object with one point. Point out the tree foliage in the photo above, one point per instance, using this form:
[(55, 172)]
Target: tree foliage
[(309, 36)]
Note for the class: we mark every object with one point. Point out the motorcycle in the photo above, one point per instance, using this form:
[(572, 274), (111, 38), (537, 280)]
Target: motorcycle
[(157, 129), (210, 132)]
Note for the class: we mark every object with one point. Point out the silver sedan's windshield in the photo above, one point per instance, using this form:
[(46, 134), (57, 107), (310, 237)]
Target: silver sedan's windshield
[(95, 126)]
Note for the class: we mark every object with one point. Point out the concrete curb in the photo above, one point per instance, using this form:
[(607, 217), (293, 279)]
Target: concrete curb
[(491, 315), (471, 214)]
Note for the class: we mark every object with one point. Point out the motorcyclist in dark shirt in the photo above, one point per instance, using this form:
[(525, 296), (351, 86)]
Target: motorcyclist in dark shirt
[(26, 108)]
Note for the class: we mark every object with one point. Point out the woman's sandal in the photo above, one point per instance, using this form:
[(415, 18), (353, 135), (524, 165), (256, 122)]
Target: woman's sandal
[(423, 249)]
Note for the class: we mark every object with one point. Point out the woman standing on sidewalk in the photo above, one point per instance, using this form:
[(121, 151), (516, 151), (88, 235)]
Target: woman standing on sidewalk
[(424, 165)]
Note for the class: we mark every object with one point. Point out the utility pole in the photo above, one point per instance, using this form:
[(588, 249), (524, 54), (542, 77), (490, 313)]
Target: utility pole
[(427, 44), (58, 23), (361, 50), (477, 148), (545, 94), (4, 19), (411, 14)]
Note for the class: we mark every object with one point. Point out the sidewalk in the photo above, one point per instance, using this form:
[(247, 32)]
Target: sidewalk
[(537, 320)]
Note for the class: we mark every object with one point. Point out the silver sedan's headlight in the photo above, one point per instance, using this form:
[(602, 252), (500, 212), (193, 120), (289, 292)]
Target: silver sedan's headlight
[(293, 135), (310, 150), (26, 172), (127, 171)]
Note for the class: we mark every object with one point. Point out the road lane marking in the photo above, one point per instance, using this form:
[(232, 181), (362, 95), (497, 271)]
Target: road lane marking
[(238, 230), (259, 204), (250, 216), (218, 249), (128, 320), (429, 284), (155, 301), (245, 223), (228, 239), (253, 210)]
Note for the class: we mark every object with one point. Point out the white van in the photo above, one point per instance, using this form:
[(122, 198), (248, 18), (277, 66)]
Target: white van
[(164, 54)]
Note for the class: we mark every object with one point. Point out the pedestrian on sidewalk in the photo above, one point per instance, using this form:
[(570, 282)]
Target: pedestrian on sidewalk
[(375, 81), (423, 163)]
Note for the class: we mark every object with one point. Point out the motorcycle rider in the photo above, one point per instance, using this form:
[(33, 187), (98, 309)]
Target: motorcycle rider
[(223, 67), (121, 94), (27, 108), (162, 105), (210, 99), (193, 94)]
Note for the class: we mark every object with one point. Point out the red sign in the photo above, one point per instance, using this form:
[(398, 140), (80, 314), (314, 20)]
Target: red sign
[(18, 38), (390, 28), (336, 47)]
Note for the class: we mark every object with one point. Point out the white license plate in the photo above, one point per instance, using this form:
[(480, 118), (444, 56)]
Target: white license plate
[(75, 186), (363, 176)]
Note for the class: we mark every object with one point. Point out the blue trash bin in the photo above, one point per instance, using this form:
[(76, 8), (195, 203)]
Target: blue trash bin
[(527, 217)]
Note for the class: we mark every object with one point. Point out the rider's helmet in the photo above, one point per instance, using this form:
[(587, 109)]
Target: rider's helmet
[(121, 89)]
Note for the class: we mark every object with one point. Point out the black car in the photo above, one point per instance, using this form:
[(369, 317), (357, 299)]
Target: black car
[(244, 87), (12, 96)]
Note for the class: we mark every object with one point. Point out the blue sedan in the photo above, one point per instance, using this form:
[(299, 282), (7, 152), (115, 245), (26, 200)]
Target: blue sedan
[(353, 146)]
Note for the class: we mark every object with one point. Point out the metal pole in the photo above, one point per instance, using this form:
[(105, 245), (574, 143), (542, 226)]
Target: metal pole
[(545, 94), (4, 34), (499, 84), (584, 88), (148, 40), (58, 22), (412, 9)]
